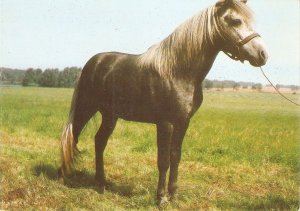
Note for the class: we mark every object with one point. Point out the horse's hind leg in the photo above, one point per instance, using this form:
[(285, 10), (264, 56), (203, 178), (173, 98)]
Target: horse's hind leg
[(107, 126), (80, 120)]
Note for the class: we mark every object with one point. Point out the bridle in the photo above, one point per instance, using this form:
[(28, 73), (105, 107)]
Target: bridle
[(240, 44), (236, 57)]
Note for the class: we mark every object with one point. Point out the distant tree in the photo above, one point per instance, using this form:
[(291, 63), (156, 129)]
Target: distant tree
[(31, 77), (218, 84), (68, 77), (245, 87), (257, 87), (207, 84), (11, 76), (236, 86), (222, 86), (278, 86), (37, 74), (28, 77), (294, 88), (49, 78)]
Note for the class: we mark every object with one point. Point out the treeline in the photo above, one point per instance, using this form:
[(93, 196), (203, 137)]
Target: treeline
[(10, 76), (208, 84), (51, 77)]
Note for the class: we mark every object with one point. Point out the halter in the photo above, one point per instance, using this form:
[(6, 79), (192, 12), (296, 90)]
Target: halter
[(239, 45)]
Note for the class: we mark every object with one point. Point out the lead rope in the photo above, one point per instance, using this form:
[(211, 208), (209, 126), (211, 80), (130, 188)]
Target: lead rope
[(282, 95)]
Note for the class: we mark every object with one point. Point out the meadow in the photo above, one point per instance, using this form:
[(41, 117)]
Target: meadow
[(241, 152)]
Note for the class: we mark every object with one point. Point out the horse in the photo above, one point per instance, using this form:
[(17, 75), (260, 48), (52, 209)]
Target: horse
[(161, 86)]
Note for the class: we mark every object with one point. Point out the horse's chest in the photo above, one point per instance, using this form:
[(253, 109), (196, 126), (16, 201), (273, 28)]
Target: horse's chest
[(187, 99)]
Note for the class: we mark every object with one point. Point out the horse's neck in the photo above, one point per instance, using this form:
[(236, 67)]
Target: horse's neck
[(202, 63)]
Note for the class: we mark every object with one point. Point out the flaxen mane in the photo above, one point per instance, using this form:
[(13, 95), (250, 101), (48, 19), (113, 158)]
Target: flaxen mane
[(178, 50)]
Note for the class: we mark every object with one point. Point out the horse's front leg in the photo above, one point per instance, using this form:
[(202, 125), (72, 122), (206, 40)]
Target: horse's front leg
[(164, 135), (175, 156)]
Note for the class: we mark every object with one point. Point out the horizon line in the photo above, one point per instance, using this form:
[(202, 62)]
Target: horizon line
[(207, 78)]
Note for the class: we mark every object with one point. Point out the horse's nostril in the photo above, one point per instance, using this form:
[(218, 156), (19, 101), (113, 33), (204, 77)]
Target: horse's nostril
[(263, 54)]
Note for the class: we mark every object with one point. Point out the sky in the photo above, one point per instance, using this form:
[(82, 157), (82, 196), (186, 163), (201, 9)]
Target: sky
[(61, 33)]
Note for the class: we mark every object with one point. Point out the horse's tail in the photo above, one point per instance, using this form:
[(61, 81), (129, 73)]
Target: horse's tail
[(67, 149), (68, 144)]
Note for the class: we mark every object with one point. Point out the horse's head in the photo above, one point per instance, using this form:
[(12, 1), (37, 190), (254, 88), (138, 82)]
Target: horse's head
[(238, 38)]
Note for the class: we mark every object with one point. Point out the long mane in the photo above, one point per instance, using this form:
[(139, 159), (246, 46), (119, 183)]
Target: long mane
[(180, 48)]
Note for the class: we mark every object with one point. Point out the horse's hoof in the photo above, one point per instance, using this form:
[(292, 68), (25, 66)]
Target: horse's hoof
[(101, 189), (61, 181), (60, 173), (60, 176), (162, 202), (173, 197)]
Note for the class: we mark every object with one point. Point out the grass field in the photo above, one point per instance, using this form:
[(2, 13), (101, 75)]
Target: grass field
[(240, 153)]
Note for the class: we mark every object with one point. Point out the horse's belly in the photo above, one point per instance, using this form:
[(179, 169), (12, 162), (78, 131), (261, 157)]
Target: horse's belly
[(137, 111)]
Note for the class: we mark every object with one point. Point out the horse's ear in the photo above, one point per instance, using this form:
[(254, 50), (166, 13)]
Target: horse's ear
[(222, 5), (226, 2)]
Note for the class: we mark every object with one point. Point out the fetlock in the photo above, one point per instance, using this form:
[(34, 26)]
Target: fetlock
[(172, 189)]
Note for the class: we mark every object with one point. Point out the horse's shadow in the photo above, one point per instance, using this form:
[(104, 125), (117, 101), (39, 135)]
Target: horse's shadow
[(82, 179)]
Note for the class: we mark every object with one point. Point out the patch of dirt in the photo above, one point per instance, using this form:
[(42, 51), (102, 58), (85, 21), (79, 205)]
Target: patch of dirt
[(18, 193), (4, 164)]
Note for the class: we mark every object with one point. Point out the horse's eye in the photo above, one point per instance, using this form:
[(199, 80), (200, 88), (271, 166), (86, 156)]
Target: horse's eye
[(236, 22)]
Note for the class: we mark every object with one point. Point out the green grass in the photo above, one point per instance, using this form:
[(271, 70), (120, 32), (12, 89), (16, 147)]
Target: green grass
[(240, 153)]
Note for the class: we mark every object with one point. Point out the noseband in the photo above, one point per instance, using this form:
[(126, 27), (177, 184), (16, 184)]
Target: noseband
[(239, 45)]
